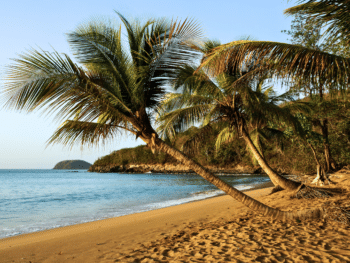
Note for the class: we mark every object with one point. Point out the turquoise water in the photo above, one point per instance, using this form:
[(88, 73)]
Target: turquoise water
[(34, 200)]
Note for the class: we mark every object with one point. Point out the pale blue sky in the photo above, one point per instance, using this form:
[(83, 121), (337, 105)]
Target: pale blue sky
[(44, 23)]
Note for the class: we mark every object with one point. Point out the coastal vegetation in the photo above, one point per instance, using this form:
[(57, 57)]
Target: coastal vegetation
[(205, 155), (116, 88), (286, 154)]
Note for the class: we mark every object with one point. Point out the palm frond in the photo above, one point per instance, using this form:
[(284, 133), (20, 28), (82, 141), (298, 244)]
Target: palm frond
[(137, 36), (209, 44), (333, 15), (54, 82), (289, 61), (214, 115), (297, 106), (174, 48), (178, 100), (180, 119), (193, 82), (85, 133), (99, 47)]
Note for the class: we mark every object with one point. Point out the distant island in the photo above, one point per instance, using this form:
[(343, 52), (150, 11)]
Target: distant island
[(73, 165)]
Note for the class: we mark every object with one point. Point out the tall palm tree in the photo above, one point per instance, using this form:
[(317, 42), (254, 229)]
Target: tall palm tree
[(205, 100), (115, 88)]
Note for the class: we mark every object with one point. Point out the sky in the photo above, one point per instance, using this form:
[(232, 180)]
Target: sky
[(43, 24)]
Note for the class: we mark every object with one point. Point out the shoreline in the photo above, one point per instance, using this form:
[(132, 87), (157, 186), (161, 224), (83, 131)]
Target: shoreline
[(215, 229), (40, 244), (254, 187)]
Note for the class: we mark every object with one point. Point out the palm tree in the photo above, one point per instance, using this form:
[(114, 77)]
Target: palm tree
[(208, 101), (115, 88), (291, 62)]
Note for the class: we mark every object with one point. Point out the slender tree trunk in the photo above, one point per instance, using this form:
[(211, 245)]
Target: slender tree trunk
[(330, 163), (253, 204), (275, 178), (321, 176), (315, 155)]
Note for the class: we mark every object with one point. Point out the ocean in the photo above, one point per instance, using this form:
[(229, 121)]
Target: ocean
[(35, 200)]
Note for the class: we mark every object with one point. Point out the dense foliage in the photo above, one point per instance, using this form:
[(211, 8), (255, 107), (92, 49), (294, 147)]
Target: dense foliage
[(229, 155), (291, 155), (136, 155)]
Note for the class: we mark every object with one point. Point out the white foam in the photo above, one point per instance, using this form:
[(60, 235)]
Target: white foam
[(194, 197)]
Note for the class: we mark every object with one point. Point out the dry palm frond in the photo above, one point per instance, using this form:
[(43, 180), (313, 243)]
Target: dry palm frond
[(332, 211), (308, 192)]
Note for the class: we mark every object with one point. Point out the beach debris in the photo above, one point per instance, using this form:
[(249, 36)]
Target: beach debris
[(308, 192), (338, 212), (332, 210)]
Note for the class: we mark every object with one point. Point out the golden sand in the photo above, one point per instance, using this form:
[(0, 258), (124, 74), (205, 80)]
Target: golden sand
[(213, 230)]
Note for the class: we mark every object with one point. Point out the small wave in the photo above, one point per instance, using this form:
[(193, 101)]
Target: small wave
[(210, 193), (194, 197), (234, 174)]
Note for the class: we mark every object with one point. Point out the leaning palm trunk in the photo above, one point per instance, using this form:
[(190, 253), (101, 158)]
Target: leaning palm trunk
[(253, 204), (276, 179)]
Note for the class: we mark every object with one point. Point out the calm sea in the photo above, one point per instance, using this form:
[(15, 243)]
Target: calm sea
[(34, 200)]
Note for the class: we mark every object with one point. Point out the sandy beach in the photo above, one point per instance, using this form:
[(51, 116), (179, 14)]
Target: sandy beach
[(217, 229)]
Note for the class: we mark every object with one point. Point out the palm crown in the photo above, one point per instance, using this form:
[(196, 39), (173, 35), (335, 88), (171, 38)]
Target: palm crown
[(115, 86), (235, 99)]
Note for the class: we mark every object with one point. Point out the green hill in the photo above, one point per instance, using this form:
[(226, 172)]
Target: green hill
[(72, 165)]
